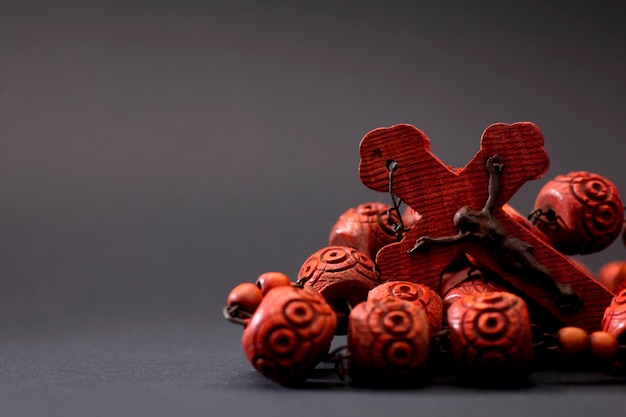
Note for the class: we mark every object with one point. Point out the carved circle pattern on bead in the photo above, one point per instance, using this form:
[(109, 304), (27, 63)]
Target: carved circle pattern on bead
[(415, 293), (366, 228), (614, 321), (588, 209), (470, 287), (341, 274), (387, 337), (289, 334), (490, 335)]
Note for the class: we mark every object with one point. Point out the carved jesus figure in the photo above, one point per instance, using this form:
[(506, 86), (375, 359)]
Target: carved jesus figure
[(510, 252)]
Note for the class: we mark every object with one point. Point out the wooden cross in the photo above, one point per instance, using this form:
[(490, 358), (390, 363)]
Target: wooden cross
[(438, 192)]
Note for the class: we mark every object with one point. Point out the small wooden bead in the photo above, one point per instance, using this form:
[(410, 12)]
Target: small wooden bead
[(573, 341), (490, 337), (388, 341), (343, 276), (366, 228), (415, 293), (289, 334), (603, 346), (613, 275), (270, 280), (585, 212), (246, 296)]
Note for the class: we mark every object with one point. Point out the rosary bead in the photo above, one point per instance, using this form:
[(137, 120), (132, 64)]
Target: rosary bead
[(603, 346), (490, 337), (246, 297), (270, 280), (388, 341), (471, 286), (289, 334), (366, 228), (573, 341), (613, 275), (581, 212), (343, 276), (415, 293)]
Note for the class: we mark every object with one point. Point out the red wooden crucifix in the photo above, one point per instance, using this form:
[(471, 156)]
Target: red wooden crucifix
[(462, 213)]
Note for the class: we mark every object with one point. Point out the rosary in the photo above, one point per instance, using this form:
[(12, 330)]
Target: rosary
[(458, 279)]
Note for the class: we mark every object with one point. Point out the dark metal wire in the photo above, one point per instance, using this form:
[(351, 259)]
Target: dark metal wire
[(548, 217), (394, 217), (233, 314)]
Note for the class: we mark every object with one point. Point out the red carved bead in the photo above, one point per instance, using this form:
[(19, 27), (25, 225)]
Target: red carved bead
[(614, 321), (246, 296), (415, 293), (584, 212), (573, 341), (388, 340), (343, 276), (366, 228), (270, 280), (289, 334), (472, 286), (613, 275), (490, 336)]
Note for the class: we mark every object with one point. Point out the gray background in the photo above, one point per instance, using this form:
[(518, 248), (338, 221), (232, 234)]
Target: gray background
[(153, 154)]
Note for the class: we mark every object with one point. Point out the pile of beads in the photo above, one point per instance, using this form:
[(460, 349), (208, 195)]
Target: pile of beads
[(398, 329)]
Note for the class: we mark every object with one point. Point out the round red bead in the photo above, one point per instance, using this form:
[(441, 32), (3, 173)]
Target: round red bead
[(367, 228), (490, 336), (289, 334), (343, 276), (415, 293), (387, 340), (270, 280), (246, 297), (583, 212)]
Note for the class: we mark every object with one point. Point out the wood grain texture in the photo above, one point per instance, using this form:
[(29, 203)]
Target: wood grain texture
[(437, 192)]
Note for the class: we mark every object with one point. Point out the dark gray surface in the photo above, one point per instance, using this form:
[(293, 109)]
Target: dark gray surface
[(194, 369), (153, 154)]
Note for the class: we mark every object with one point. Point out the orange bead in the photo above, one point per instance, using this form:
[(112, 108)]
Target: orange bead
[(410, 217), (603, 345), (246, 296), (613, 275), (270, 280), (573, 341)]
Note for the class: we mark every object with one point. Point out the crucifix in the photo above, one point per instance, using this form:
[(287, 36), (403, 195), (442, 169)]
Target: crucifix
[(447, 198)]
